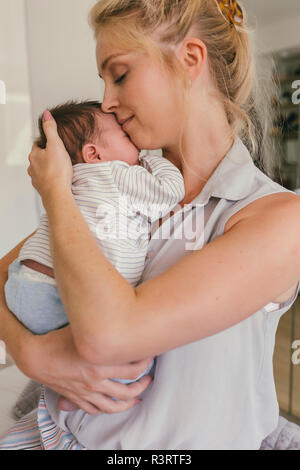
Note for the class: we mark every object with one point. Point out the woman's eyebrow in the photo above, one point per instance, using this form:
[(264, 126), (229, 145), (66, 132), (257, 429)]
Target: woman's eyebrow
[(108, 59)]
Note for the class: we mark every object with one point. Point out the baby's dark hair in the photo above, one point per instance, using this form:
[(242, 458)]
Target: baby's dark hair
[(75, 125)]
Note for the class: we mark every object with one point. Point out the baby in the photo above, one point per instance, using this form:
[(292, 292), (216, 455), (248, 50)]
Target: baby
[(118, 194)]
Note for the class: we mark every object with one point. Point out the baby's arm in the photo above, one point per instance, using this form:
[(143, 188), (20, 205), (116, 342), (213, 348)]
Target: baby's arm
[(154, 188)]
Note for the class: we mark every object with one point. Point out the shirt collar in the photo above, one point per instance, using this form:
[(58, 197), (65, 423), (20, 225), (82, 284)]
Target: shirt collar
[(232, 179)]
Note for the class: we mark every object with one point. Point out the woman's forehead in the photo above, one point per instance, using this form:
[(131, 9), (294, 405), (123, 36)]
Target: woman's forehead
[(105, 55), (106, 47)]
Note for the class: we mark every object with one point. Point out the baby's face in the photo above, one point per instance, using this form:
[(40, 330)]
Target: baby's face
[(114, 143)]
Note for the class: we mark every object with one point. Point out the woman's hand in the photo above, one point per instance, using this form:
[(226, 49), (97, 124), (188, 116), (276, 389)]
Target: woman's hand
[(50, 169), (53, 361)]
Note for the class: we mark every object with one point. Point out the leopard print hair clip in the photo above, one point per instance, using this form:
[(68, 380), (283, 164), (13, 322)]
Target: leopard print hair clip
[(232, 11)]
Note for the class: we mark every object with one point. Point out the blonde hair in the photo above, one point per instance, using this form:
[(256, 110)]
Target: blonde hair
[(131, 24)]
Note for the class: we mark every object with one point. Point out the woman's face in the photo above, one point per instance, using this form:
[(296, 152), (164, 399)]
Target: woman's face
[(136, 85)]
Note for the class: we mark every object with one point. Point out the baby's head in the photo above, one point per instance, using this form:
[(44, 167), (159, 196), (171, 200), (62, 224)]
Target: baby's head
[(89, 135)]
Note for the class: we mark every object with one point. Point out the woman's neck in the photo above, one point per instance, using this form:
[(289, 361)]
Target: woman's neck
[(205, 144)]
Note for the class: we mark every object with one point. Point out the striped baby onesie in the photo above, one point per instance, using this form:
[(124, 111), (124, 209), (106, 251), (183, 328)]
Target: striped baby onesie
[(119, 202)]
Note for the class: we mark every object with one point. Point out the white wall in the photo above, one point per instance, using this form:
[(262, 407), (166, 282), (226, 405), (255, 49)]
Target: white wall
[(18, 215), (61, 53), (280, 35)]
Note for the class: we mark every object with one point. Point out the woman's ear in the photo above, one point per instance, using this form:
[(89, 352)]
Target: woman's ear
[(192, 54), (91, 154)]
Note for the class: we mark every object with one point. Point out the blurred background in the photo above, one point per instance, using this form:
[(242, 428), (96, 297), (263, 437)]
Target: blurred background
[(47, 57)]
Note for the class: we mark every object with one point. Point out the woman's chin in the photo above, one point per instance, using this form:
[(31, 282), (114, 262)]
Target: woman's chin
[(139, 149), (135, 144), (142, 144)]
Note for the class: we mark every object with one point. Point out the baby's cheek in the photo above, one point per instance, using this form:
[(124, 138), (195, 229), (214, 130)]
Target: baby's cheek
[(131, 154)]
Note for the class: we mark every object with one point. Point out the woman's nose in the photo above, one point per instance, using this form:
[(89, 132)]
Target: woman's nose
[(109, 102)]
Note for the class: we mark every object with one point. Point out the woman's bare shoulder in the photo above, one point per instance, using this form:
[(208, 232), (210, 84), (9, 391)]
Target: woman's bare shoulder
[(260, 206)]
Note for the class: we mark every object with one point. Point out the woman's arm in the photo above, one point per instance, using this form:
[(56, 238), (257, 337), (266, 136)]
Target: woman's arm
[(53, 360), (204, 293), (12, 332)]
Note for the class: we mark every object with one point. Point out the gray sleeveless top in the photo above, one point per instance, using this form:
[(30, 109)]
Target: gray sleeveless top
[(216, 393)]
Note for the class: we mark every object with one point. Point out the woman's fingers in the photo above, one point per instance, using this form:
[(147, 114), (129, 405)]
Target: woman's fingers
[(66, 405), (50, 167), (127, 371), (101, 402), (107, 405), (33, 154), (34, 151), (72, 401), (125, 392), (94, 376), (95, 404), (136, 388), (50, 129)]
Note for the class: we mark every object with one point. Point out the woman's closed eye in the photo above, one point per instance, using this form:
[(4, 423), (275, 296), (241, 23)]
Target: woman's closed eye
[(120, 79)]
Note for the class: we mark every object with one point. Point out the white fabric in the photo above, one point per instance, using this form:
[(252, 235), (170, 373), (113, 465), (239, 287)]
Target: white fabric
[(35, 276), (216, 393), (285, 437), (118, 202)]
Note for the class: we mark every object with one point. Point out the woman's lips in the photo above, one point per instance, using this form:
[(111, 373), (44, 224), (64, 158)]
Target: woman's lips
[(127, 122)]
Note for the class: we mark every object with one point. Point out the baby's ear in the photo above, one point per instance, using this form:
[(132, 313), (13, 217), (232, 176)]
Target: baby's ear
[(91, 154)]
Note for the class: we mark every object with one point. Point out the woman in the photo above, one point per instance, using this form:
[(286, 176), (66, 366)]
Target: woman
[(208, 309)]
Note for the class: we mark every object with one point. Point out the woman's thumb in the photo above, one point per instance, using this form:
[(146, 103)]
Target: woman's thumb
[(47, 116), (49, 126)]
